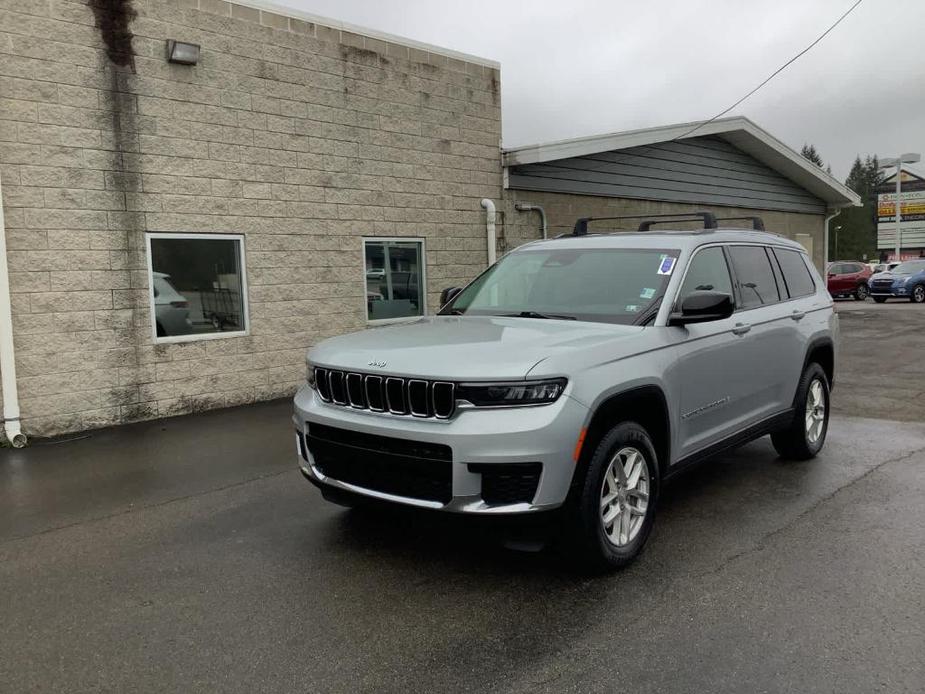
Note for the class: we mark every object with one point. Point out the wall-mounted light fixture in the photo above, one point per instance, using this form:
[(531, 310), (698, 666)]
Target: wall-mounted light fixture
[(182, 53)]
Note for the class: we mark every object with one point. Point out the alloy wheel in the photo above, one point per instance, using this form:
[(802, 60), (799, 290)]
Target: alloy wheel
[(624, 496), (863, 292), (815, 411), (918, 294)]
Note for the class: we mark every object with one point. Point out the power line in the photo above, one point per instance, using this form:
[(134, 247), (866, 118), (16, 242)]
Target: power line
[(773, 74)]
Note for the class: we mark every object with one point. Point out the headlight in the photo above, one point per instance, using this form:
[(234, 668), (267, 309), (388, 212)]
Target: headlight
[(310, 374), (512, 394)]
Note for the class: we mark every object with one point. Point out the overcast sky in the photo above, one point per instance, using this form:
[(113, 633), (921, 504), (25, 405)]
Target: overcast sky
[(581, 67)]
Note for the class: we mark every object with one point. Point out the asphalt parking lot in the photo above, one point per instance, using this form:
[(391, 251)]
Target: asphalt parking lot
[(189, 555)]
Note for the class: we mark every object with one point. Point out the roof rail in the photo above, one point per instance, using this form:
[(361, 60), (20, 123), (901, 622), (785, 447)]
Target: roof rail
[(709, 221), (757, 222)]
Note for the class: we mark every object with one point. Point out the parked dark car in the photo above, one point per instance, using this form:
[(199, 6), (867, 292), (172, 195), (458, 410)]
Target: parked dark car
[(849, 278), (905, 281)]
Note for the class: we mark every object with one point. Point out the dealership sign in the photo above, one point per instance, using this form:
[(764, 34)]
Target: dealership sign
[(912, 210)]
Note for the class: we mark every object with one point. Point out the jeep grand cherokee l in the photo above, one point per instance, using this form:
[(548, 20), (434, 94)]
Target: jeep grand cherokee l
[(578, 374)]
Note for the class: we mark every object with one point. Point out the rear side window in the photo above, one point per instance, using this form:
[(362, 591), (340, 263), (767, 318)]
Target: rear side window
[(754, 276), (796, 274)]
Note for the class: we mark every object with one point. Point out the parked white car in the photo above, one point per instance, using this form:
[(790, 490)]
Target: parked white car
[(171, 309)]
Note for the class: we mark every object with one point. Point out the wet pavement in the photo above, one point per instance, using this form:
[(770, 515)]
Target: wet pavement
[(190, 555)]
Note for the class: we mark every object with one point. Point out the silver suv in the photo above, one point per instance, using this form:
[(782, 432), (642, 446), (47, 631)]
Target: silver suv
[(578, 374)]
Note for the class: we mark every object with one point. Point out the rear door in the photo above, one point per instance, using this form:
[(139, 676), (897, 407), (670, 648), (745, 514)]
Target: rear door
[(768, 341), (836, 278)]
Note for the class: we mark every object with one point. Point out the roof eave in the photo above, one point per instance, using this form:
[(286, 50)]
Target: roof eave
[(738, 131)]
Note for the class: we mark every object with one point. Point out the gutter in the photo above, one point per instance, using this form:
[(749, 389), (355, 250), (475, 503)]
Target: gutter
[(11, 424)]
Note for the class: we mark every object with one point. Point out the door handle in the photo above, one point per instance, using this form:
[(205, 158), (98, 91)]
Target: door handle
[(797, 315), (741, 328)]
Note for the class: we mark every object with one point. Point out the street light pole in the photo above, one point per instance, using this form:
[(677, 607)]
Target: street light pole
[(907, 158)]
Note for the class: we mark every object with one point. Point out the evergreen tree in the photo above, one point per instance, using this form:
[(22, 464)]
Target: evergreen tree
[(857, 236), (809, 151)]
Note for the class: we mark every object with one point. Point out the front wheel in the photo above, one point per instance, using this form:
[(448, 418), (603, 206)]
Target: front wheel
[(612, 517), (918, 294), (805, 436), (862, 292)]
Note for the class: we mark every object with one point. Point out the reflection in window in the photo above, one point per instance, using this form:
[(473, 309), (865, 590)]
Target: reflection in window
[(197, 285), (394, 279)]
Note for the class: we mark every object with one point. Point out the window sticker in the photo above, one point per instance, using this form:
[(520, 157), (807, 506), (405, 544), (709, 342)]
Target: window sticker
[(666, 266), (647, 293), (631, 308)]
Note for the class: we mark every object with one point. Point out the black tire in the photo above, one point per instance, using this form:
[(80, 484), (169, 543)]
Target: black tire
[(879, 299), (918, 294), (862, 292), (794, 442), (587, 537)]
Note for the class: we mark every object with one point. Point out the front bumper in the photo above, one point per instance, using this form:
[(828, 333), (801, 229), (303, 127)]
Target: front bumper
[(897, 289), (544, 434)]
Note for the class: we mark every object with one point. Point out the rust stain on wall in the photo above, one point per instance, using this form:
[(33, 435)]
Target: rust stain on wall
[(114, 20)]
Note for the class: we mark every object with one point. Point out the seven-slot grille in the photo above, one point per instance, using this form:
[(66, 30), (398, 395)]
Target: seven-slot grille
[(882, 284), (406, 396)]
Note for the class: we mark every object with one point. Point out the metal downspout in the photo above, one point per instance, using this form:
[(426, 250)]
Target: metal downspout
[(491, 238), (530, 207), (825, 239), (11, 423)]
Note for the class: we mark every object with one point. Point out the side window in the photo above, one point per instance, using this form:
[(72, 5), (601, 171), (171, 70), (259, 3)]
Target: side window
[(708, 272), (754, 276), (197, 285), (394, 278), (796, 274)]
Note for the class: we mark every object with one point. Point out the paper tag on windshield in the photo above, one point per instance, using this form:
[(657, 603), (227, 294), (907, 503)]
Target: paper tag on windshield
[(666, 266), (647, 293)]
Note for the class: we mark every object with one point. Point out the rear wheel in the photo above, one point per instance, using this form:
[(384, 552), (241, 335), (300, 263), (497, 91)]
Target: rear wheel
[(614, 513), (918, 294), (862, 292), (805, 436), (879, 299)]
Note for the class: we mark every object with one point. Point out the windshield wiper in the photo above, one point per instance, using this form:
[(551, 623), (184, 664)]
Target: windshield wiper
[(536, 314)]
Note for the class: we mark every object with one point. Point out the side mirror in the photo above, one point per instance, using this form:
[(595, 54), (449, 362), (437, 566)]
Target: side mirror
[(448, 294), (701, 307)]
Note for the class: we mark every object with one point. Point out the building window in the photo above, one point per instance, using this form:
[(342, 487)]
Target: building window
[(394, 278), (197, 286)]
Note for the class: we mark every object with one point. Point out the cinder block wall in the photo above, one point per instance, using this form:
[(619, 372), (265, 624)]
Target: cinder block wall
[(562, 211), (300, 136)]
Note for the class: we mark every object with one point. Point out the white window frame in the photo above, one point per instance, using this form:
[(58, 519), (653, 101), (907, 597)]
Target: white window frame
[(402, 239), (193, 337)]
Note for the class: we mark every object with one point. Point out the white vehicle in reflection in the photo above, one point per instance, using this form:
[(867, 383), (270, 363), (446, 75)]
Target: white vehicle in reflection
[(171, 309)]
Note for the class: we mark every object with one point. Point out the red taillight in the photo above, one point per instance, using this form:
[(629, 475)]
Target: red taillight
[(180, 304)]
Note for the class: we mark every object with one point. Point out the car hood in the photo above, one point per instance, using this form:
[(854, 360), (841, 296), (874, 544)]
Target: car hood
[(889, 275), (464, 347)]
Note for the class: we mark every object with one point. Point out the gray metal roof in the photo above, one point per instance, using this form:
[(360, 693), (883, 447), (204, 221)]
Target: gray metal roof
[(738, 131)]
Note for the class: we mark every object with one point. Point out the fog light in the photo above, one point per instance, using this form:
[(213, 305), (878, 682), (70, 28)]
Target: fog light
[(182, 53)]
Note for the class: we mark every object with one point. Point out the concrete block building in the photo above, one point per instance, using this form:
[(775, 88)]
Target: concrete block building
[(196, 191)]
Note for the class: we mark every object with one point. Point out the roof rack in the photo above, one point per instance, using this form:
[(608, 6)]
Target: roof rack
[(757, 222), (709, 220)]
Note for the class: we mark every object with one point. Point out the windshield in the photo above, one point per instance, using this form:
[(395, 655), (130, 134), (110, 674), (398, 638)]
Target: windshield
[(910, 267), (607, 285)]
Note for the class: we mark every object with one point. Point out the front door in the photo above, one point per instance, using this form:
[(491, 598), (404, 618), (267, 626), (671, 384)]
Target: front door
[(714, 369)]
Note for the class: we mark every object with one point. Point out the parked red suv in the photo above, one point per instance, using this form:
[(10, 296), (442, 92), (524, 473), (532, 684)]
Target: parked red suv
[(849, 278)]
